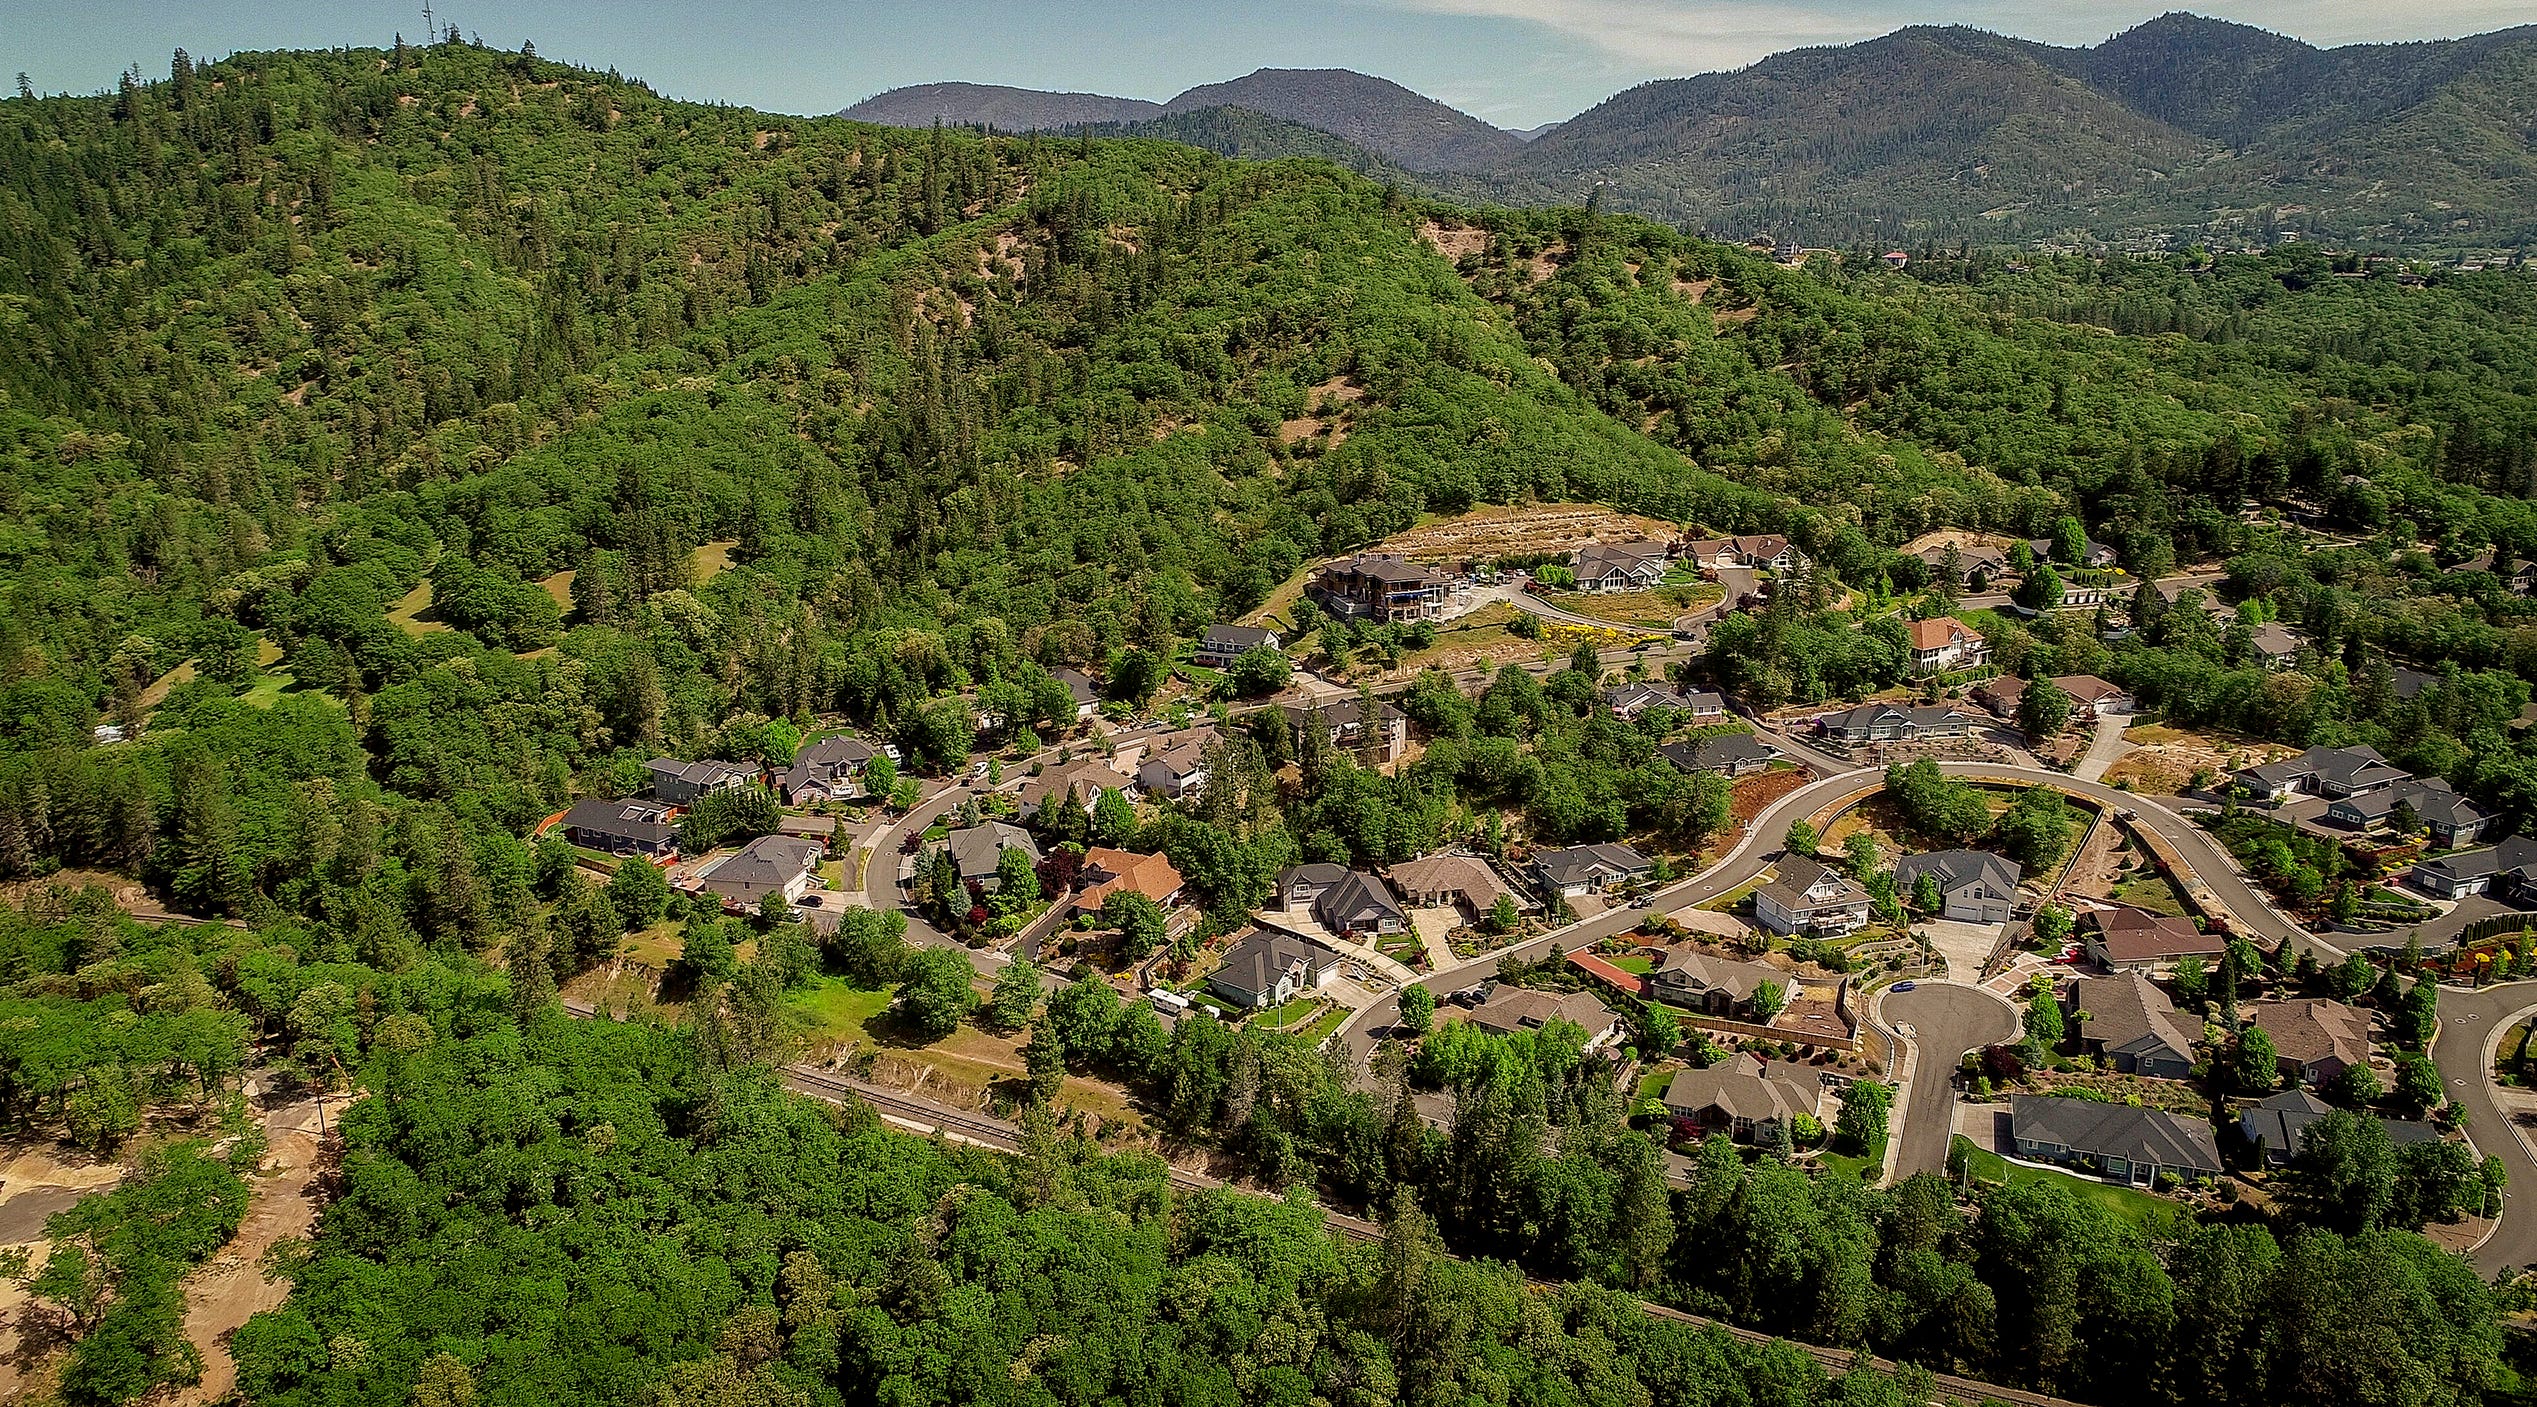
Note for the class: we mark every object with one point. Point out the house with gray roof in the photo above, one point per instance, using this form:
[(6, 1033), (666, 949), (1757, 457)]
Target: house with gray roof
[(1589, 869), (2324, 771), (1267, 967), (1628, 701), (1372, 735), (1811, 897), (630, 826), (978, 849), (782, 865), (680, 783), (1620, 566), (1712, 985), (1359, 903), (1223, 644), (827, 770), (2275, 645), (2276, 1125), (2451, 819), (2128, 1023), (1976, 886), (2118, 1142), (1727, 754), (1892, 723), (2507, 871), (1745, 1097)]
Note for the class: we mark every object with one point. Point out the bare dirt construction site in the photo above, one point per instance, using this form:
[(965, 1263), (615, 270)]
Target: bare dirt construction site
[(1522, 531), (2163, 760)]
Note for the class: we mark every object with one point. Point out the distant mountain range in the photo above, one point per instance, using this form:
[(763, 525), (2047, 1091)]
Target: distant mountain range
[(2184, 126)]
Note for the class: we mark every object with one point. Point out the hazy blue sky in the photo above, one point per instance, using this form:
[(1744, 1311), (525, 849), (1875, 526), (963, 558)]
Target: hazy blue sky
[(1516, 62)]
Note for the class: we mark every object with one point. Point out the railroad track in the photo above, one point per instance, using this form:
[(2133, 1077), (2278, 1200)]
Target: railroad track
[(1000, 1134)]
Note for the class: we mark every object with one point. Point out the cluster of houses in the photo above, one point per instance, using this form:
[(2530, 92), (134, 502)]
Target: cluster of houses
[(2127, 1023), (2363, 794)]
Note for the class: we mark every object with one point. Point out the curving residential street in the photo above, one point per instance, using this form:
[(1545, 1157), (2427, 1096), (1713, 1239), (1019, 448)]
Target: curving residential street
[(2471, 1024)]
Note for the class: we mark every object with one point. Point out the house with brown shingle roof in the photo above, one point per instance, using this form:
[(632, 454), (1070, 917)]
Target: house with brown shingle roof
[(2125, 939), (1512, 1009), (2128, 1023), (1465, 881), (1745, 1097), (2315, 1039)]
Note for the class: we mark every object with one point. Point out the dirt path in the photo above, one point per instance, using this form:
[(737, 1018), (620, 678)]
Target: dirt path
[(229, 1287)]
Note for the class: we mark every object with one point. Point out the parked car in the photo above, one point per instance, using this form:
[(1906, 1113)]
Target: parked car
[(1905, 986)]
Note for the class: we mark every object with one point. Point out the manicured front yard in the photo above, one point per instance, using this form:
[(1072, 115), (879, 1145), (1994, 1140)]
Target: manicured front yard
[(1639, 963), (2131, 1204)]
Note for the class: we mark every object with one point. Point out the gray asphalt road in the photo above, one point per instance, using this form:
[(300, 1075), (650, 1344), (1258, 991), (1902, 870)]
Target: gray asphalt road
[(1942, 1020), (2468, 1021)]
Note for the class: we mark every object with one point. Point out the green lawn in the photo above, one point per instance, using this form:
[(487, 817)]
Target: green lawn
[(1843, 1166), (1276, 1018), (832, 1008), (1319, 1031), (1639, 963), (2139, 1208), (2152, 893)]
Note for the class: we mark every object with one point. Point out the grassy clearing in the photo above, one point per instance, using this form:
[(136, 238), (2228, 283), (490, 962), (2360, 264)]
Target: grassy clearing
[(560, 587), (2139, 1208), (407, 613), (1652, 610), (709, 561), (2151, 892)]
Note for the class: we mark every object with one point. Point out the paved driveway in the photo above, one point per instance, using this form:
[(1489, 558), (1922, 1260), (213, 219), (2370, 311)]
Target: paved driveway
[(2469, 1023), (1942, 1020)]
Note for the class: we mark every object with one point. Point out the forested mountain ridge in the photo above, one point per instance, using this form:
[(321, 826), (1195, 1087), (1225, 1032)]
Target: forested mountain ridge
[(992, 105), (2181, 126), (1381, 116)]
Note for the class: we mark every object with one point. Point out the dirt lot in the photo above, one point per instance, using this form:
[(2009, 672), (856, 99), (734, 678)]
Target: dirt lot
[(1653, 610), (1753, 795), (2164, 759), (1952, 537), (230, 1287), (2093, 870), (1506, 531)]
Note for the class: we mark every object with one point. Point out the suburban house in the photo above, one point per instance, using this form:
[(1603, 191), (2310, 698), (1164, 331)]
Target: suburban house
[(2451, 819), (1345, 722), (1359, 903), (1976, 885), (2093, 554), (1628, 701), (629, 827), (2119, 1142), (1379, 586), (2000, 694), (1729, 754), (1079, 684), (2091, 696), (977, 850), (1810, 897), (1620, 566), (1268, 967), (1744, 1097), (1174, 765), (1712, 985), (1974, 563), (680, 783), (1105, 872), (1512, 1009), (1768, 552), (2506, 871), (2323, 771), (1589, 869), (2315, 1039), (1299, 886), (785, 865), (1223, 644), (2124, 939), (1465, 881), (1945, 644), (828, 770), (2128, 1023), (1892, 723), (2275, 1125), (2274, 645), (1087, 777)]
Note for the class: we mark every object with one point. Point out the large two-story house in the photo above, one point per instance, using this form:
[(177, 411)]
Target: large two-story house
[(1712, 985), (1375, 739), (1379, 586), (1812, 898), (828, 770), (632, 826), (785, 866), (679, 783), (1635, 565), (1975, 886), (1945, 644), (1223, 644)]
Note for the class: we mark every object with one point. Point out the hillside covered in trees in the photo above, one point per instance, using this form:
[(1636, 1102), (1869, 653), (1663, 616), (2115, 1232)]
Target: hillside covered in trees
[(399, 444)]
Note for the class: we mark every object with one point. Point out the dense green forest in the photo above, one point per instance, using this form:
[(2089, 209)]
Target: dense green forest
[(399, 444)]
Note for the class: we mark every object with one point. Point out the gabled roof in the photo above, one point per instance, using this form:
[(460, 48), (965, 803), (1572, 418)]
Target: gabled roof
[(828, 759), (709, 772), (1744, 1087), (762, 867), (1256, 961), (1466, 875), (2115, 1131), (1957, 869), (977, 849), (1388, 569), (2127, 1012), (1635, 558), (2279, 1121), (1150, 875), (2311, 1030), (1087, 777), (1578, 864), (1077, 683), (1234, 639), (1799, 875), (1338, 714), (632, 819), (1512, 1009), (1357, 896), (1319, 875), (2274, 641), (1938, 631), (2514, 855), (2089, 689), (1717, 754), (1631, 698), (1707, 972), (2134, 935)]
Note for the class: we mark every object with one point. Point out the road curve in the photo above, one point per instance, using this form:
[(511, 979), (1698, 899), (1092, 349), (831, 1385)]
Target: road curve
[(1942, 1020), (2470, 1024)]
